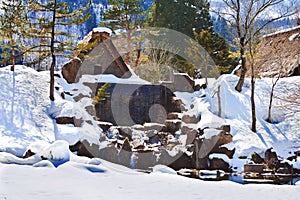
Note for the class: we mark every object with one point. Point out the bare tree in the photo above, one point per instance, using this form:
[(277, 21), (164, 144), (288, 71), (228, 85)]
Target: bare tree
[(243, 16), (157, 62), (249, 18), (289, 100), (275, 80)]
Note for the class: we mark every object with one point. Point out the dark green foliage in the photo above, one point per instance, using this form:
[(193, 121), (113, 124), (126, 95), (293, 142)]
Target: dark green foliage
[(217, 48), (128, 14), (55, 16), (183, 15), (13, 28)]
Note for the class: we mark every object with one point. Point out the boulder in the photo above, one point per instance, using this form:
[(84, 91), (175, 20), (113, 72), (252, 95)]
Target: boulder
[(257, 158), (70, 70), (225, 128), (84, 148), (184, 161), (219, 164), (223, 138), (190, 119), (173, 115), (224, 150), (172, 126), (191, 134), (65, 120), (199, 161), (271, 158), (28, 154)]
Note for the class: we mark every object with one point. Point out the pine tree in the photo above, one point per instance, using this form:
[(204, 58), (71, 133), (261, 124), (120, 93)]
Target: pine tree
[(183, 15), (217, 48), (13, 27), (129, 15), (56, 15)]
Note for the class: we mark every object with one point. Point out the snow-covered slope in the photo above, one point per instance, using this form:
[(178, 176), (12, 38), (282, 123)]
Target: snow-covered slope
[(283, 135), (28, 116), (23, 109)]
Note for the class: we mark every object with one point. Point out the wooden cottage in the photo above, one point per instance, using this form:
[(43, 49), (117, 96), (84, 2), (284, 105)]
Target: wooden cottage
[(279, 54)]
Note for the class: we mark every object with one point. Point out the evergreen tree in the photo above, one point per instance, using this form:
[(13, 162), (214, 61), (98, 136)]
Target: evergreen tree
[(183, 15), (217, 48), (13, 27), (129, 15), (55, 16)]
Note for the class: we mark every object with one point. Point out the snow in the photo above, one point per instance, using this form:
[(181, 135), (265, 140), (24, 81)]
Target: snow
[(282, 31), (283, 136), (27, 122), (102, 181), (163, 169), (292, 37), (102, 29)]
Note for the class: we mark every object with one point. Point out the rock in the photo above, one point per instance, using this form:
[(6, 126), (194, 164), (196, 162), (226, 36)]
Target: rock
[(145, 160), (291, 158), (28, 154), (172, 126), (154, 126), (70, 70), (91, 110), (109, 153), (184, 161), (225, 128), (65, 120), (105, 126), (84, 148), (125, 132), (224, 150), (197, 87), (198, 160), (166, 159), (223, 138), (173, 115), (190, 119), (257, 158), (126, 145), (271, 158), (124, 156), (191, 134), (219, 164)]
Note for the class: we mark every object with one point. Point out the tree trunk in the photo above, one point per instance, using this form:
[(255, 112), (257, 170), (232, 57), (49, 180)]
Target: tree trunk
[(253, 112), (241, 81), (52, 54), (253, 128), (13, 61), (269, 119)]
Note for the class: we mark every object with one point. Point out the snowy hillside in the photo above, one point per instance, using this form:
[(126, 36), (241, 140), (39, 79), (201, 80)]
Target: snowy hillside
[(27, 116), (283, 135), (27, 121)]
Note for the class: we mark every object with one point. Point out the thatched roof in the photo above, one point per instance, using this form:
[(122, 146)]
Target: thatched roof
[(279, 54)]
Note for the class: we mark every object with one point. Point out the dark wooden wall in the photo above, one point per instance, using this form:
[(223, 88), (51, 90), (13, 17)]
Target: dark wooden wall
[(130, 104)]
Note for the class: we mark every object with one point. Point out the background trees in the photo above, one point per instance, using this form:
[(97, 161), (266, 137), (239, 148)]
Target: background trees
[(13, 28), (184, 16), (243, 16), (128, 15), (54, 16)]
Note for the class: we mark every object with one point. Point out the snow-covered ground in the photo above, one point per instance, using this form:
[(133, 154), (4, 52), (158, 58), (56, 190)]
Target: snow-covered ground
[(77, 180), (283, 135), (26, 121)]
